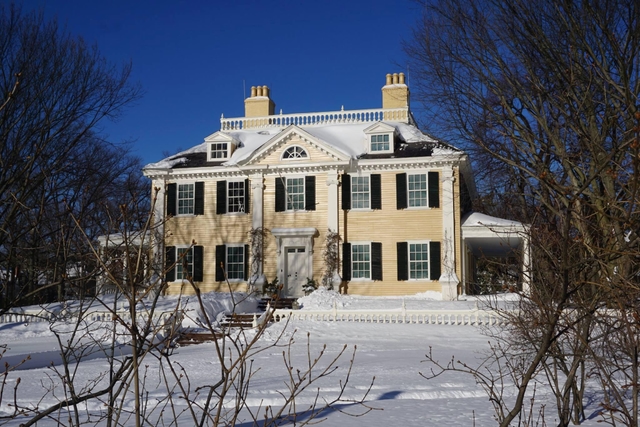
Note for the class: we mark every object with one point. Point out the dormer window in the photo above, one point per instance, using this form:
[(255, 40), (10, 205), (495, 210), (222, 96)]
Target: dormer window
[(380, 143), (294, 152), (379, 138), (220, 146), (219, 150)]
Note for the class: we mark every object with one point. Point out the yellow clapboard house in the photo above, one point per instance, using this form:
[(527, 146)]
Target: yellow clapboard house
[(361, 200)]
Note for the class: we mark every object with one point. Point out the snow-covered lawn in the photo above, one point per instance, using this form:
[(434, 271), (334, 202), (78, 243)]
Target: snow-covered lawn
[(390, 355)]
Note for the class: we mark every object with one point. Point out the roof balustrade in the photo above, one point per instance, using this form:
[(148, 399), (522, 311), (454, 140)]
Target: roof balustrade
[(317, 119)]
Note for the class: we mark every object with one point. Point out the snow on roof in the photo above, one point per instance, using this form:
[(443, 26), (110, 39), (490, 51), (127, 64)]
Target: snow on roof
[(347, 138), (176, 159), (477, 219)]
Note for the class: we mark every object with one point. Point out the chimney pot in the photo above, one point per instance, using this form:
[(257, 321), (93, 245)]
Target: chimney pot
[(256, 105), (395, 94)]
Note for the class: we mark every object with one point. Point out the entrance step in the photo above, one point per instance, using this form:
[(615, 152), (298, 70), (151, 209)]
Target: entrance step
[(190, 338), (235, 320), (285, 303)]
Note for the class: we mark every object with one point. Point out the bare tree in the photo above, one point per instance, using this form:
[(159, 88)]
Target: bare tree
[(138, 341), (546, 96), (55, 90)]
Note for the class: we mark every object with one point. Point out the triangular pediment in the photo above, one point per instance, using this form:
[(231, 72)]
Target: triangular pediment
[(221, 137), (379, 127), (317, 149)]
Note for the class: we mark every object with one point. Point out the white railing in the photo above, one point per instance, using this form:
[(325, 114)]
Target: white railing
[(35, 315), (317, 119), (475, 317)]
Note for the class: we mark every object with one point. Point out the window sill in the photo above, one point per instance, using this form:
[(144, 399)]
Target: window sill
[(418, 208)]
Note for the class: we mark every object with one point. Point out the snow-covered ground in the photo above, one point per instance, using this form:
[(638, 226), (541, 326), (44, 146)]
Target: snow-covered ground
[(389, 355)]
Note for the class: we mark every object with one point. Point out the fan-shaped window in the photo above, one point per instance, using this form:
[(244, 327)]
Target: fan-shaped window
[(295, 152)]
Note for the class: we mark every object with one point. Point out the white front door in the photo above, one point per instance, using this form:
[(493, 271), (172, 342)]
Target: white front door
[(295, 271)]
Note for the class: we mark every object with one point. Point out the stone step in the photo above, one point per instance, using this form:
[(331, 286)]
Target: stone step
[(285, 303), (236, 320), (191, 338)]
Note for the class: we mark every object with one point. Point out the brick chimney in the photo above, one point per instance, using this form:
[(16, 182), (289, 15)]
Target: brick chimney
[(259, 104), (395, 93)]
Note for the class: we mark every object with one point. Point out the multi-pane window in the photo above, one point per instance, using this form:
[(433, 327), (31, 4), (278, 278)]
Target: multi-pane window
[(186, 199), (360, 192), (360, 261), (417, 190), (235, 196), (418, 260), (294, 152), (380, 142), (184, 263), (235, 262), (219, 150), (295, 194)]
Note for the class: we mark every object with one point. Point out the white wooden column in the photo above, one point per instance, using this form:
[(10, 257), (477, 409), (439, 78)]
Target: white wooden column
[(156, 238), (332, 203), (448, 279), (333, 214), (158, 191), (257, 195)]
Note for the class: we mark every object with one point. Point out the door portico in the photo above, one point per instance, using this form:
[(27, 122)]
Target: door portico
[(294, 247)]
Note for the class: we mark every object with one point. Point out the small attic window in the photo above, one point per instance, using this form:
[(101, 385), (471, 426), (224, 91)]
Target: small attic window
[(380, 143), (218, 150), (380, 138), (220, 146), (294, 152)]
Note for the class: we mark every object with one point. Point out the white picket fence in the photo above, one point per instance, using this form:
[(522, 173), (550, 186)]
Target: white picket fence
[(475, 317), (39, 315)]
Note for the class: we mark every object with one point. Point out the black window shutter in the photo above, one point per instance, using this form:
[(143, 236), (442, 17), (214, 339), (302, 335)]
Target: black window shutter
[(221, 197), (281, 197), (310, 193), (246, 262), (346, 192), (221, 262), (403, 260), (376, 261), (171, 199), (401, 191), (346, 261), (198, 252), (170, 260), (247, 195), (434, 189), (434, 260), (198, 206), (376, 192)]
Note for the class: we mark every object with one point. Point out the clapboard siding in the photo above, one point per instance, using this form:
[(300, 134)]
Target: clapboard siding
[(208, 230), (300, 219), (387, 226)]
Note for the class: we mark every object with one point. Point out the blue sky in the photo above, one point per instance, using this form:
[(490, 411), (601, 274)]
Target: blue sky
[(198, 59)]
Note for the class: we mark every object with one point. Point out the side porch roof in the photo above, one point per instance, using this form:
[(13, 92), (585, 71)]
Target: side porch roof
[(490, 236)]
